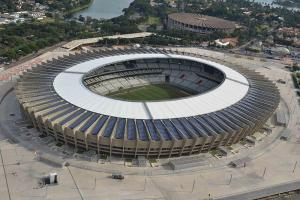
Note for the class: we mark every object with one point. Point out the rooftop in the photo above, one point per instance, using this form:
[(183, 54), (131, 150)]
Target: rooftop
[(202, 20), (76, 43), (68, 85)]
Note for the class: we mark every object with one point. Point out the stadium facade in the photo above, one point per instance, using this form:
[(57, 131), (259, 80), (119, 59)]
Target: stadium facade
[(67, 98), (198, 23)]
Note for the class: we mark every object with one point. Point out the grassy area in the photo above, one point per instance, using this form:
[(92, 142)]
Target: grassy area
[(47, 20), (150, 93), (153, 20)]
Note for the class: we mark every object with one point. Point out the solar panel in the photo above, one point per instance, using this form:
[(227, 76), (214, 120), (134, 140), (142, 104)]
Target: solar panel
[(131, 129), (80, 120), (182, 129), (195, 128), (44, 98), (110, 126), (225, 125), (99, 125), (162, 130), (57, 110), (47, 102), (171, 129), (185, 123), (142, 130), (222, 120), (241, 116), (247, 112), (151, 128), (51, 106), (120, 130), (212, 124), (234, 122), (211, 131), (72, 116), (63, 113), (89, 122)]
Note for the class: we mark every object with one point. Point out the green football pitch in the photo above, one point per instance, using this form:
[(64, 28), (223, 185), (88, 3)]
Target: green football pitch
[(150, 93)]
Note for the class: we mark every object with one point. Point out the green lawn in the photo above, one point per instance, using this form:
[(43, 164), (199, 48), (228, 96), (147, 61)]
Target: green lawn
[(152, 20), (150, 93)]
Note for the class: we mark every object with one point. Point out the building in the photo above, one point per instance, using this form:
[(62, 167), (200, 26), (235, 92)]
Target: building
[(67, 98), (199, 23)]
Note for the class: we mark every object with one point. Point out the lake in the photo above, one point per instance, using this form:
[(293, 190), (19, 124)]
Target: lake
[(105, 9), (264, 1)]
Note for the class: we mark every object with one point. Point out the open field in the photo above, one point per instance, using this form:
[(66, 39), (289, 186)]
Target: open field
[(150, 93)]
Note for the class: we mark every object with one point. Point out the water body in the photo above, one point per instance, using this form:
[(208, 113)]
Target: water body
[(105, 9), (264, 1)]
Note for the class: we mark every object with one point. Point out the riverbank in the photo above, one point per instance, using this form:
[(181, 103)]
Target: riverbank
[(79, 8)]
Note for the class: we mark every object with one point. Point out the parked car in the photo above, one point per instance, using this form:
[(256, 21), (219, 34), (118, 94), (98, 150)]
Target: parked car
[(117, 176)]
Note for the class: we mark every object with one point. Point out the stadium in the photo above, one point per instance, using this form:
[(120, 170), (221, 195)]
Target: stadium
[(198, 23), (145, 102)]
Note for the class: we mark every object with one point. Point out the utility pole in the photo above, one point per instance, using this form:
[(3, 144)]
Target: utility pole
[(264, 172), (230, 179), (193, 186), (145, 184), (295, 166), (95, 183)]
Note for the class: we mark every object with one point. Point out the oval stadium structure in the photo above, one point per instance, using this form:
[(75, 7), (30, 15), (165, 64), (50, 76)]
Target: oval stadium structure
[(111, 101), (198, 23)]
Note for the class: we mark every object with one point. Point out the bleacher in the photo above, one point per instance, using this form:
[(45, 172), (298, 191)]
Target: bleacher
[(183, 74)]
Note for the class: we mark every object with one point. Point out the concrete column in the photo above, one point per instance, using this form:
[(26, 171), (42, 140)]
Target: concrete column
[(212, 143), (86, 142), (75, 139), (183, 145), (110, 147), (64, 134), (136, 148), (171, 150), (194, 144), (160, 149), (98, 145), (203, 143), (149, 148)]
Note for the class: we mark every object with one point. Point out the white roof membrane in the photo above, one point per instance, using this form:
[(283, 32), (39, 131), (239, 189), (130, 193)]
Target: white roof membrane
[(70, 87)]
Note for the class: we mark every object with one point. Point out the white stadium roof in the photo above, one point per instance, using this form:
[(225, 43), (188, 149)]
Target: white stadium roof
[(69, 85)]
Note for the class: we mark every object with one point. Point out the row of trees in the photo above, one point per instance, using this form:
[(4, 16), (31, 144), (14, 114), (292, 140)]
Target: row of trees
[(7, 5), (151, 40), (17, 40)]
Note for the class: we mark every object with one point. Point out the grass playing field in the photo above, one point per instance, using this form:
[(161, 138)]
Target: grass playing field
[(150, 93)]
